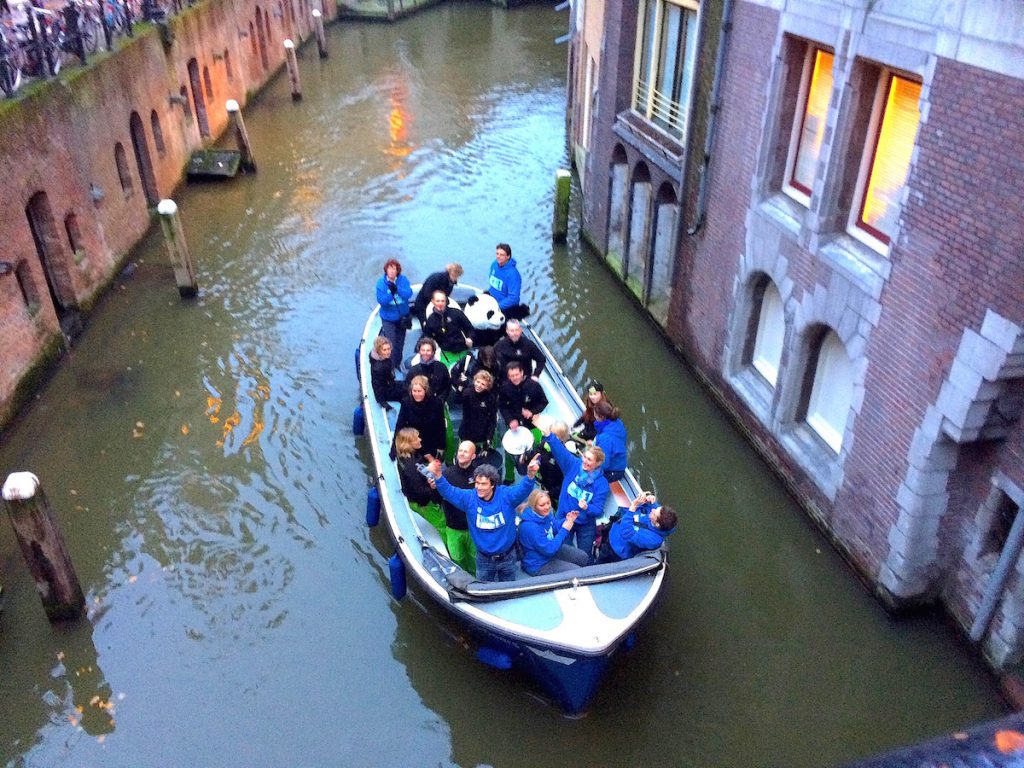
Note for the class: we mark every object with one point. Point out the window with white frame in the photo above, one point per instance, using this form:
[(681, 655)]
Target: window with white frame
[(828, 404), (886, 161), (771, 331), (808, 134), (667, 48)]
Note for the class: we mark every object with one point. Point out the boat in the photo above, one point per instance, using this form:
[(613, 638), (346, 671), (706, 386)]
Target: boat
[(562, 629)]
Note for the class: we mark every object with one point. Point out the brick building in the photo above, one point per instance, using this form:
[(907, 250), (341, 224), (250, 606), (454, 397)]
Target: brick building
[(819, 201)]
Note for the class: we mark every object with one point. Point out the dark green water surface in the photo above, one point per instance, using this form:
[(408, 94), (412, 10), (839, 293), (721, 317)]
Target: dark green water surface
[(200, 459)]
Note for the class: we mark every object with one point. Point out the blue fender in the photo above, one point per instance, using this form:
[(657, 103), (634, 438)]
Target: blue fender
[(358, 421), (397, 568), (373, 507), (359, 374), (492, 657)]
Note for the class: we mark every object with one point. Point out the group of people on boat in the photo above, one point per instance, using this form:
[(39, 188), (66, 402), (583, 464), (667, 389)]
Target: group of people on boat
[(547, 519)]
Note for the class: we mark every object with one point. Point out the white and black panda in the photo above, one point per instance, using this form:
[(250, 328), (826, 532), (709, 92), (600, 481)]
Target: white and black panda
[(485, 316)]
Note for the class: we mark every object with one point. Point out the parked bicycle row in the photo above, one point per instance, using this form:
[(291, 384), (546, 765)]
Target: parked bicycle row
[(36, 41)]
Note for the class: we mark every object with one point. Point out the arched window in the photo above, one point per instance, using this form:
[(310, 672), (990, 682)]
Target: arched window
[(831, 391), (619, 173), (229, 73), (207, 82), (74, 235), (666, 210), (639, 243), (158, 133), (770, 333), (27, 286), (123, 173)]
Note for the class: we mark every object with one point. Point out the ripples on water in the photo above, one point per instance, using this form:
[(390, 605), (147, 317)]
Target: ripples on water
[(200, 456)]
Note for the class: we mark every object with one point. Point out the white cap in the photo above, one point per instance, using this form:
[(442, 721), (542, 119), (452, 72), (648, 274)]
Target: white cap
[(231, 105), (167, 207), (20, 486)]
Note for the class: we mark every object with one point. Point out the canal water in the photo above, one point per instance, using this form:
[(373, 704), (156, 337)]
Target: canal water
[(200, 458)]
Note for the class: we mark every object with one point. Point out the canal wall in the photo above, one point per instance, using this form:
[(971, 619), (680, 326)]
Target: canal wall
[(882, 375), (85, 157)]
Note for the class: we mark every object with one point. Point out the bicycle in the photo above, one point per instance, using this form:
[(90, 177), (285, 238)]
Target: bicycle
[(39, 38), (10, 63), (88, 29)]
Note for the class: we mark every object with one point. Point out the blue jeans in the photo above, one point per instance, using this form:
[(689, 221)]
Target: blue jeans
[(496, 568), (394, 331), (566, 558), (584, 535)]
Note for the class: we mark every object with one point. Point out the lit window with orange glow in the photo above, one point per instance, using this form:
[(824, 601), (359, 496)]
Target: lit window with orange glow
[(809, 125), (887, 163)]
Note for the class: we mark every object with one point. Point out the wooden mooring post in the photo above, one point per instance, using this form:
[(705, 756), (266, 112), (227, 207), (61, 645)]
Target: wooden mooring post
[(241, 135), (43, 548), (321, 38), (293, 70), (560, 223), (177, 249)]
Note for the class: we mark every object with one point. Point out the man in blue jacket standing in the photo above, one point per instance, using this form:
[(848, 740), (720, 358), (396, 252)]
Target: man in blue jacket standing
[(644, 526), (504, 282), (491, 515)]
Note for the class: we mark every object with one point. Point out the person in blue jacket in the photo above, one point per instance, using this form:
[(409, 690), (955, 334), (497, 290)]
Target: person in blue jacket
[(542, 537), (611, 437), (644, 526), (491, 515), (393, 294), (504, 282), (584, 488)]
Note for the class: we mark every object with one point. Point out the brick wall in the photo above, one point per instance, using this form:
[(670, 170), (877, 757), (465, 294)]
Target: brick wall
[(58, 140)]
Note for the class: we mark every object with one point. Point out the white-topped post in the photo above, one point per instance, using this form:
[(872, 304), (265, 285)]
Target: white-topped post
[(177, 248), (321, 38), (241, 135), (42, 546), (293, 70)]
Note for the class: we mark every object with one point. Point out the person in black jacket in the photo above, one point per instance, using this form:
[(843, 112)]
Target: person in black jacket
[(382, 374), (423, 411), (514, 346), (415, 486), (449, 327), (479, 411), (433, 369), (460, 474), (438, 281), (520, 398), (418, 490)]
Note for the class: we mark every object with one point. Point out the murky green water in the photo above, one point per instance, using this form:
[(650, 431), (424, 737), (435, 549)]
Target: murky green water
[(201, 462)]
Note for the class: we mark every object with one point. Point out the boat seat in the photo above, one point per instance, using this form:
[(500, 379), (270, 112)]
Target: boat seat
[(619, 494)]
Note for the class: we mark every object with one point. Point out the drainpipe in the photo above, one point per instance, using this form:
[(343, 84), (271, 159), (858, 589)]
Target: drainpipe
[(702, 192), (997, 581)]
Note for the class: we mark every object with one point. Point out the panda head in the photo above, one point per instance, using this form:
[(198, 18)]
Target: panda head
[(483, 312)]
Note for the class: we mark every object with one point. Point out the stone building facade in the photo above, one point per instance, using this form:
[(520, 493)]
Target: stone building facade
[(818, 200), (85, 158)]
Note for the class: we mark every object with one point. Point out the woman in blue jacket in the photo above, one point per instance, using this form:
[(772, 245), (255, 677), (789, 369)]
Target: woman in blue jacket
[(393, 294), (611, 437), (543, 536), (584, 489)]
